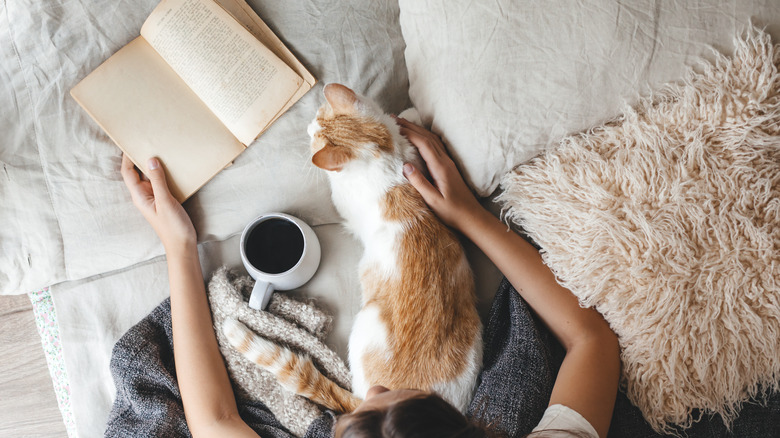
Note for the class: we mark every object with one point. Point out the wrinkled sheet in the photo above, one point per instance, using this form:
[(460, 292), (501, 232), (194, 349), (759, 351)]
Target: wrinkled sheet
[(64, 211), (501, 80)]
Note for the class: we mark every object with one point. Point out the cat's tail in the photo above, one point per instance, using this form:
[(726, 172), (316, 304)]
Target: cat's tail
[(295, 372)]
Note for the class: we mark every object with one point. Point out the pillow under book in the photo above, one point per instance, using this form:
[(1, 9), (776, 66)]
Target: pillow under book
[(667, 221)]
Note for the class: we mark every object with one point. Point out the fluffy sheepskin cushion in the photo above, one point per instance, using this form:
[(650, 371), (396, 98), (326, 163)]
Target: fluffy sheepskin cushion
[(667, 220)]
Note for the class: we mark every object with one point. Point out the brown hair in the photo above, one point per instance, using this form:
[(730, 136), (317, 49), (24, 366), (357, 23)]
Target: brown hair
[(426, 416)]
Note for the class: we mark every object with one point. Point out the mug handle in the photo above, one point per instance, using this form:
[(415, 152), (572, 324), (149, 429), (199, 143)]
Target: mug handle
[(261, 295)]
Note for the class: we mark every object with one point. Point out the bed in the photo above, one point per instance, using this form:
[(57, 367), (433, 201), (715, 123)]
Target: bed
[(500, 81)]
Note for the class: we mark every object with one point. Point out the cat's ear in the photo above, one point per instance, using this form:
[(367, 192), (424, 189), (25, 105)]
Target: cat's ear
[(341, 99), (332, 157)]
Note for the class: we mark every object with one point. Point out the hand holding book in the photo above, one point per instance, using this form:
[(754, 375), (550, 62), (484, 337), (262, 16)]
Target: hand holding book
[(194, 89)]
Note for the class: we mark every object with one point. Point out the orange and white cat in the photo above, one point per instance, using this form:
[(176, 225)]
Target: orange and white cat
[(418, 327)]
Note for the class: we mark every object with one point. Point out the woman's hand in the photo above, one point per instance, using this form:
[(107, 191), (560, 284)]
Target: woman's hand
[(209, 403), (588, 379), (448, 196), (155, 202)]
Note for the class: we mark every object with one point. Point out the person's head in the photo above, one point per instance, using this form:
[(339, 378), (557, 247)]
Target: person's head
[(406, 413)]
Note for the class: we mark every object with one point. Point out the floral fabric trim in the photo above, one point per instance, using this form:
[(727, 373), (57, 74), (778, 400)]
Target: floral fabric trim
[(49, 331)]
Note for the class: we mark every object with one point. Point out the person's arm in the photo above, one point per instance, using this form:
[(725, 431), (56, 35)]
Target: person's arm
[(209, 403), (588, 379)]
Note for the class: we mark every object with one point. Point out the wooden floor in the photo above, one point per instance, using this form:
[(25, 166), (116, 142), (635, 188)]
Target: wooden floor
[(28, 406)]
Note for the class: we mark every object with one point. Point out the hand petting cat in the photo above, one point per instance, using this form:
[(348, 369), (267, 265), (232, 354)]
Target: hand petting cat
[(588, 378), (448, 196)]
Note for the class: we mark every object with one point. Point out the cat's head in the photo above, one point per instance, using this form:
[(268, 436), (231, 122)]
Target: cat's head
[(350, 128)]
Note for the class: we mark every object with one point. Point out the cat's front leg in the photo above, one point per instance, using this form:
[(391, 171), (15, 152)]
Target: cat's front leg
[(369, 335)]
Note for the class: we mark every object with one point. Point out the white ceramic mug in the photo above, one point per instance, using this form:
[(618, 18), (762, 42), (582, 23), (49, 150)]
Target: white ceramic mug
[(281, 252)]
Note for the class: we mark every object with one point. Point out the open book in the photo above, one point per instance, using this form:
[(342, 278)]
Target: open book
[(201, 82)]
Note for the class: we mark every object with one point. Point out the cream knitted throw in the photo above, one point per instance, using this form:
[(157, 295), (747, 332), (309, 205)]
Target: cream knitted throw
[(667, 220), (299, 326)]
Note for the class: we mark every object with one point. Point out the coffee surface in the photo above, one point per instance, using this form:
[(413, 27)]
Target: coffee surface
[(274, 246)]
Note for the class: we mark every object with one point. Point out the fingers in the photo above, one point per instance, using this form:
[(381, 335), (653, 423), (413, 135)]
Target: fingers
[(157, 178), (437, 162), (429, 193), (422, 135), (129, 175), (144, 192), (421, 140), (138, 189), (429, 144), (407, 124)]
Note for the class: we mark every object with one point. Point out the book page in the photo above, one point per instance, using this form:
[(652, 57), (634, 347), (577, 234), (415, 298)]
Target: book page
[(235, 75), (146, 109), (244, 14), (248, 18)]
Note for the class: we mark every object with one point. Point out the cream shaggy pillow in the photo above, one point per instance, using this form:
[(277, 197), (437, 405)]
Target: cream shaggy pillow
[(667, 220)]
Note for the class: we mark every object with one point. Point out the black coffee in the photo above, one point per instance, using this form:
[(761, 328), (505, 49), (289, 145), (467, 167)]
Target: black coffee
[(274, 246)]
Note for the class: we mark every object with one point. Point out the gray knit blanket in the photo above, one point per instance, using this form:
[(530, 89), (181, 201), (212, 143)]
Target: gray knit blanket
[(520, 362), (297, 325), (148, 403)]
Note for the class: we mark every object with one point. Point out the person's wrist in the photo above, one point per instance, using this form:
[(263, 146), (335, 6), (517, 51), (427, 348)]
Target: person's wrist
[(474, 219), (469, 218), (186, 248)]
